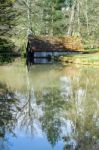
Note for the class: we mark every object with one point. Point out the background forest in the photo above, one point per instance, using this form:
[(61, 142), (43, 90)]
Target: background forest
[(18, 18)]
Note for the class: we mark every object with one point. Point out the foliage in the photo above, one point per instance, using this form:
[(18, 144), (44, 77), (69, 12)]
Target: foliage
[(8, 109), (7, 16), (72, 43), (19, 18), (6, 50)]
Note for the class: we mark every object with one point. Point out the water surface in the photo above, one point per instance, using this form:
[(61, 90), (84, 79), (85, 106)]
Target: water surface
[(51, 107)]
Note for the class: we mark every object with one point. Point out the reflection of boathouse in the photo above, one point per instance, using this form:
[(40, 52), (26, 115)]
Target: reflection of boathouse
[(44, 48)]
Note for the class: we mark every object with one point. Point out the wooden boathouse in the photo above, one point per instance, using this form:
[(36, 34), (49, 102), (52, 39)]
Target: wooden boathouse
[(41, 48)]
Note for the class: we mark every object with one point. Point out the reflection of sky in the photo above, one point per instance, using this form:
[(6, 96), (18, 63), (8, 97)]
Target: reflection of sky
[(25, 141), (35, 143), (42, 79), (39, 140)]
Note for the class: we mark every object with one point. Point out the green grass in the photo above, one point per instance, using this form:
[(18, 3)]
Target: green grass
[(90, 57)]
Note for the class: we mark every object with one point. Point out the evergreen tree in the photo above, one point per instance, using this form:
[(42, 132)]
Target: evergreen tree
[(49, 17), (7, 15), (53, 18)]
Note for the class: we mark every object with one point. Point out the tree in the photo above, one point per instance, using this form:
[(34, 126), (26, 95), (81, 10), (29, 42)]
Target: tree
[(49, 17), (53, 17), (7, 15), (8, 111)]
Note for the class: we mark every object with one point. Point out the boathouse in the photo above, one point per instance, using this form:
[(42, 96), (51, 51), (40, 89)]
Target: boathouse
[(44, 48)]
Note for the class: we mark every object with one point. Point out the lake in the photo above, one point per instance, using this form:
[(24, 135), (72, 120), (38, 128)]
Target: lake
[(51, 107)]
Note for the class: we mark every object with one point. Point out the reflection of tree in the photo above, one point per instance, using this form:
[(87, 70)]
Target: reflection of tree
[(29, 112), (73, 103), (8, 107), (84, 114), (43, 106), (51, 123)]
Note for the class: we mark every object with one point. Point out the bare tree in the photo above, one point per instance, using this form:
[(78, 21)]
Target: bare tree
[(71, 21)]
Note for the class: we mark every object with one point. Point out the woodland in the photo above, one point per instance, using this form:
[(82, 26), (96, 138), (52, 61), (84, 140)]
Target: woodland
[(53, 18)]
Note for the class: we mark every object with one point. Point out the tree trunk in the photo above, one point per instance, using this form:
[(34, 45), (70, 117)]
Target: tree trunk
[(86, 15), (52, 20), (71, 22), (78, 14), (29, 30)]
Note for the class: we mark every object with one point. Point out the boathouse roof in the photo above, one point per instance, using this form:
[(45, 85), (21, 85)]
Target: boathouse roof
[(46, 43)]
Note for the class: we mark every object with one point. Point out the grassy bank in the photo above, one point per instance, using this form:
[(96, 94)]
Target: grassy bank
[(88, 57)]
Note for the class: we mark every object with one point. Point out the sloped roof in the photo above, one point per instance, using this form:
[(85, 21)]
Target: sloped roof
[(52, 44)]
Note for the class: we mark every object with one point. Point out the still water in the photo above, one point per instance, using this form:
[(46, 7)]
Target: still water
[(51, 107)]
